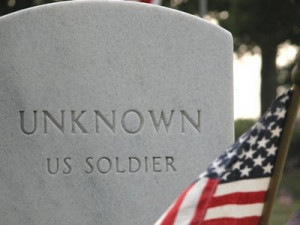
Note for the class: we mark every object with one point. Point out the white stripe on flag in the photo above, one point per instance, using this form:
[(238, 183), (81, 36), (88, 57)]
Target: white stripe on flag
[(190, 202), (258, 184), (234, 211)]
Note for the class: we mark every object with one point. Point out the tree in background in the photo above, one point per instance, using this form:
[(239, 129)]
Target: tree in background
[(256, 23)]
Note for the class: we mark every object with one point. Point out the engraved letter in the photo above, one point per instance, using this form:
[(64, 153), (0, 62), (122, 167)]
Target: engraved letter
[(118, 167), (54, 121), (101, 170), (141, 122), (169, 163), (162, 118), (48, 166), (156, 163), (111, 125), (89, 164), (22, 123), (68, 165), (196, 125), (75, 120), (146, 164), (138, 164)]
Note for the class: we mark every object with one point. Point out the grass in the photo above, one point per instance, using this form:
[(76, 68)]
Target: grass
[(282, 212)]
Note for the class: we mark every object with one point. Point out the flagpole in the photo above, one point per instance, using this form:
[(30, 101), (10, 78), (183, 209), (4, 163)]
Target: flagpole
[(284, 143)]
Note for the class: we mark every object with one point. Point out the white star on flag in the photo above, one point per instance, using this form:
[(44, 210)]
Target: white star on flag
[(252, 140), (276, 132), (280, 113), (271, 150), (268, 114), (219, 170), (258, 161), (262, 143), (271, 125), (237, 165), (249, 154), (230, 155), (245, 172), (268, 168)]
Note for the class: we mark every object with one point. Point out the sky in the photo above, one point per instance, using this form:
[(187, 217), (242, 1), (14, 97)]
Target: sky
[(246, 76)]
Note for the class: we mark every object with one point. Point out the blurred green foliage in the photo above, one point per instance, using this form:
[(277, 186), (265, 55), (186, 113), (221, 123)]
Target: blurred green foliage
[(283, 212), (241, 126)]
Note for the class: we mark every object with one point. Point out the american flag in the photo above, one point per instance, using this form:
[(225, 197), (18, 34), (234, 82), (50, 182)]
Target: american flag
[(233, 188)]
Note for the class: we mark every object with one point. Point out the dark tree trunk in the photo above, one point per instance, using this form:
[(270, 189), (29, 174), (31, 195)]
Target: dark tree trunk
[(268, 75)]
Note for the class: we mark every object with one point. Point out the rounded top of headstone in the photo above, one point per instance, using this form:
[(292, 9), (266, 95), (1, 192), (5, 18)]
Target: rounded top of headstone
[(158, 12)]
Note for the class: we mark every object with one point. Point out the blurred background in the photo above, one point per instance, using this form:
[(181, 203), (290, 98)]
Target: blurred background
[(266, 38)]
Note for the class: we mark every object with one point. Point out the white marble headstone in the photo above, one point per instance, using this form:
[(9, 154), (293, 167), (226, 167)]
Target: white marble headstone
[(108, 110)]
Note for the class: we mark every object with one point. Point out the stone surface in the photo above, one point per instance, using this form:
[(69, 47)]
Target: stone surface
[(83, 86)]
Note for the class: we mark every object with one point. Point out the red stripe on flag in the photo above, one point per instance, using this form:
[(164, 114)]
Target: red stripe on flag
[(233, 221), (202, 206), (238, 198), (172, 213)]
